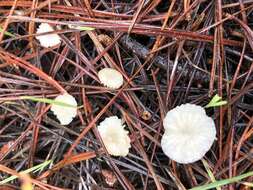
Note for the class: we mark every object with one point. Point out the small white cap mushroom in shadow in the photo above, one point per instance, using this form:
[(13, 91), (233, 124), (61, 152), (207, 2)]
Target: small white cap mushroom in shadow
[(114, 136), (189, 133), (47, 40), (110, 78), (65, 114)]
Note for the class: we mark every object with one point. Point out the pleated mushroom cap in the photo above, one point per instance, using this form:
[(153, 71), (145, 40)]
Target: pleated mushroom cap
[(47, 40), (114, 136), (110, 78), (63, 113), (189, 133)]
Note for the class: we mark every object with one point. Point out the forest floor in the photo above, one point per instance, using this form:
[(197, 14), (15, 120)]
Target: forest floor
[(169, 53)]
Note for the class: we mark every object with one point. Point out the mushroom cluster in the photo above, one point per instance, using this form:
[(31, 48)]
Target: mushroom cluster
[(189, 133)]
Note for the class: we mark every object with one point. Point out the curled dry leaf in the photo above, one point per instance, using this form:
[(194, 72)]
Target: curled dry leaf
[(146, 115), (6, 147), (109, 176), (105, 39)]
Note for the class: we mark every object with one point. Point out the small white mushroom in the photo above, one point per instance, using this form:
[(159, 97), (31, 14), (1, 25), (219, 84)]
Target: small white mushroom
[(114, 136), (65, 114), (47, 40), (110, 78), (19, 12), (189, 133)]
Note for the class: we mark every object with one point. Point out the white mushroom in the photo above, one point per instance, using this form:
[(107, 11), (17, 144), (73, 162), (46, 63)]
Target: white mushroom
[(65, 114), (189, 133), (111, 78), (114, 136), (47, 40)]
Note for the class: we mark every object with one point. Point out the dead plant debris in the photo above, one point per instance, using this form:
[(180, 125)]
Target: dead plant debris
[(168, 52)]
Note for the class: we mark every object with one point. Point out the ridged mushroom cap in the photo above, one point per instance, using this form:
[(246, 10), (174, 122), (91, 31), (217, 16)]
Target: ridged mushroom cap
[(114, 136), (110, 78), (63, 113), (189, 133), (47, 40)]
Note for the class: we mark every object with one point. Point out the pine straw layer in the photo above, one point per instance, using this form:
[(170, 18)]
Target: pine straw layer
[(169, 52)]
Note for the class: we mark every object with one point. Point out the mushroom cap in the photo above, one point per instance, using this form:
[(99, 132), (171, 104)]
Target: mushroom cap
[(63, 113), (111, 78), (114, 136), (47, 40), (189, 133)]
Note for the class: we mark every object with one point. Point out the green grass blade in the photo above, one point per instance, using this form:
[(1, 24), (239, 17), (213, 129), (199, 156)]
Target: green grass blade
[(33, 169), (216, 98), (209, 172), (84, 28), (46, 100), (7, 33), (216, 101), (221, 103), (223, 182)]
